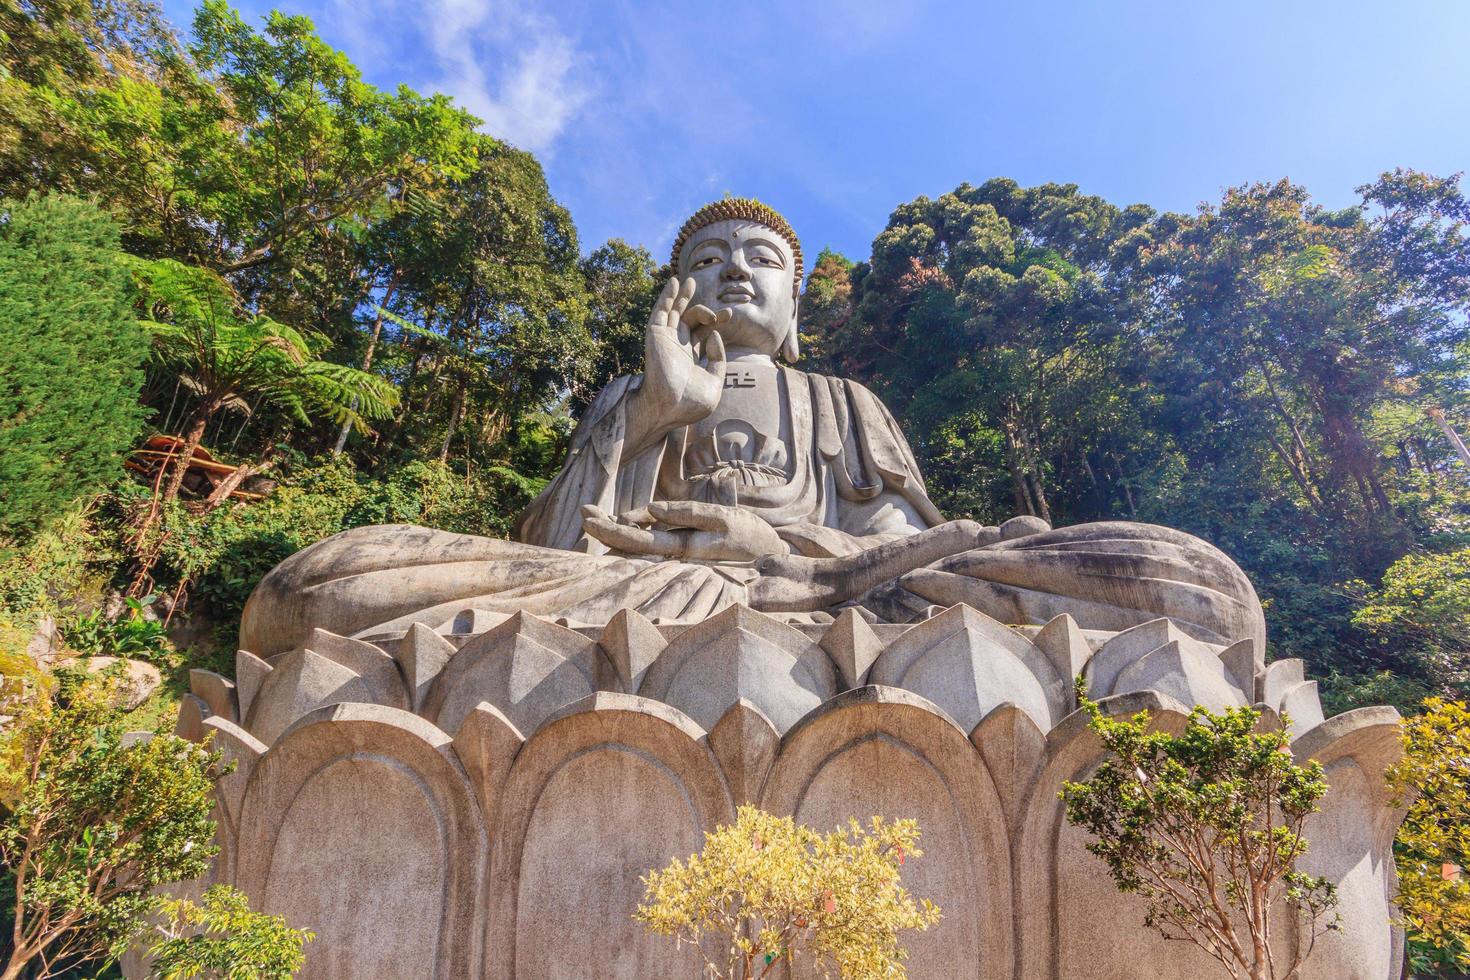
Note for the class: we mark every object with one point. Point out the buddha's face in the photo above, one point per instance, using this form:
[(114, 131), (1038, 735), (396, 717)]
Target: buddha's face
[(746, 268)]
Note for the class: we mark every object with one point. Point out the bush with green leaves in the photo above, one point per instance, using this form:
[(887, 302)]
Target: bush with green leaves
[(1206, 826), (132, 634), (1420, 614), (1432, 847), (224, 553), (71, 365), (91, 824), (220, 937)]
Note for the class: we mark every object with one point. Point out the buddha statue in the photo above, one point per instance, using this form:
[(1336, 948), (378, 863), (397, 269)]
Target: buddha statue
[(455, 755), (719, 477)]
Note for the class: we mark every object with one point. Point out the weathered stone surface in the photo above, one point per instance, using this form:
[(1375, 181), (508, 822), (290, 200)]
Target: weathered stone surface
[(526, 667), (138, 679), (745, 742), (359, 824), (422, 655), (886, 751), (300, 682), (967, 664), (216, 691), (737, 654), (853, 646), (599, 787), (612, 787)]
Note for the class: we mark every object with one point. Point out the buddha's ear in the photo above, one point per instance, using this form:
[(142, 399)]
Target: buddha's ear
[(791, 346)]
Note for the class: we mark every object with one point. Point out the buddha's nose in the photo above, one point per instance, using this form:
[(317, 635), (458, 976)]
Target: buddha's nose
[(736, 270)]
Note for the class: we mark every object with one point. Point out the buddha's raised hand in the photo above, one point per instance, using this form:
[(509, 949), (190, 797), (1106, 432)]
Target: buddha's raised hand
[(677, 388)]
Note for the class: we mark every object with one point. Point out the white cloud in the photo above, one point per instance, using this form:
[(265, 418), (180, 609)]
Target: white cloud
[(532, 102), (504, 61)]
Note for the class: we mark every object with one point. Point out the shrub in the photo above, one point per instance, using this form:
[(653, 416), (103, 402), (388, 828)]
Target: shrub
[(1206, 826), (1433, 843), (71, 365), (768, 891)]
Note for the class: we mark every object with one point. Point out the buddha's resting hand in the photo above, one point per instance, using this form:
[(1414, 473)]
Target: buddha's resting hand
[(677, 389), (685, 529)]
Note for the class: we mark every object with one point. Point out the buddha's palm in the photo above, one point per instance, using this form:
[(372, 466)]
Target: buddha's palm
[(677, 389)]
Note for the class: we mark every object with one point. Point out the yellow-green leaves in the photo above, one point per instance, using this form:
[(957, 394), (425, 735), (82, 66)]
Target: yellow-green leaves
[(767, 890), (1433, 844)]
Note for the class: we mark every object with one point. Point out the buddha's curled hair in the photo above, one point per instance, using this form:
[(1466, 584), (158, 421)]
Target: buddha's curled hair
[(741, 208)]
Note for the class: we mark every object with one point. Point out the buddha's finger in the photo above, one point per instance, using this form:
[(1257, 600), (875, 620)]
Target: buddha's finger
[(714, 356), (697, 514), (706, 317), (621, 537), (701, 315)]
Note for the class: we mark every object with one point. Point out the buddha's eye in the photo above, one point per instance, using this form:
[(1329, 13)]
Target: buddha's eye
[(708, 260), (767, 261)]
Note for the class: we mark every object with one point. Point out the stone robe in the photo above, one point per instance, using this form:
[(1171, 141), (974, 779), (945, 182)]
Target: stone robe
[(848, 483)]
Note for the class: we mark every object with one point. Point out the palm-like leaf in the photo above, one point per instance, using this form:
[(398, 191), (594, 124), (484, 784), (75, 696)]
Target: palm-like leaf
[(225, 357)]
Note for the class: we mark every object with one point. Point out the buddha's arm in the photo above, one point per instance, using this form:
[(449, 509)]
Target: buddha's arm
[(797, 583)]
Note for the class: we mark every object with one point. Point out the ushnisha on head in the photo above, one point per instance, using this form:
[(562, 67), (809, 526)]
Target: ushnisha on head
[(744, 258)]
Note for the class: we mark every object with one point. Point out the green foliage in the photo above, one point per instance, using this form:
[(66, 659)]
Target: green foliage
[(225, 358), (766, 891), (1206, 826), (826, 305), (1433, 843), (1255, 373), (132, 635), (92, 825), (58, 569), (621, 282), (1421, 611), (225, 552), (220, 937), (71, 363)]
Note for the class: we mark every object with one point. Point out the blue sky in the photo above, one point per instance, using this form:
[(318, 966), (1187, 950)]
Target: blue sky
[(835, 113)]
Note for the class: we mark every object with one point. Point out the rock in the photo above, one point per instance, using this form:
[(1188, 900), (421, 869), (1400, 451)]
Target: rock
[(44, 642), (142, 679)]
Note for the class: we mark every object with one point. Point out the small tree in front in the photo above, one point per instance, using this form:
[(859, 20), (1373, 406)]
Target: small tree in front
[(91, 824), (1206, 825), (1433, 844), (771, 891)]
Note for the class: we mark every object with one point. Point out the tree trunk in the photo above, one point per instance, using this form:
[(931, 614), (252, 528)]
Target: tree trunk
[(367, 362), (14, 968), (180, 460), (455, 415), (1437, 413)]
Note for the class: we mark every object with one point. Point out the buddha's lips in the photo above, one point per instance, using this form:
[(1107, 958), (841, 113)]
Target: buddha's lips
[(736, 296)]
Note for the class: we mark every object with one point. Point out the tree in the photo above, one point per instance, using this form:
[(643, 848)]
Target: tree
[(1433, 843), (222, 939), (1293, 325), (1207, 827), (495, 310), (1420, 613), (768, 891), (226, 357), (71, 366), (318, 147), (621, 286), (990, 319), (92, 825), (826, 306)]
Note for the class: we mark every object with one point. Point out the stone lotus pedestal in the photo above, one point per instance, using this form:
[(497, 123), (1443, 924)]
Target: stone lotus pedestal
[(479, 799)]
